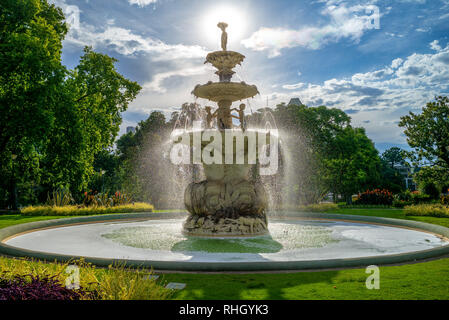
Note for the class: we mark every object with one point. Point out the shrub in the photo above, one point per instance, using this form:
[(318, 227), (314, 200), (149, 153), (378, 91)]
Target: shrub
[(419, 198), (401, 203), (445, 199), (375, 197), (432, 210), (60, 197), (319, 207), (83, 211), (116, 282), (93, 199), (404, 196), (429, 188), (36, 287), (120, 198)]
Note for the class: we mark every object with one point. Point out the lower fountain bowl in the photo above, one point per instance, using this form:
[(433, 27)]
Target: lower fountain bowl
[(296, 241)]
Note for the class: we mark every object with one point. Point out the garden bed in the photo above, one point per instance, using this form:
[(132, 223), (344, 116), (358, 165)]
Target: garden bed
[(430, 210), (84, 211)]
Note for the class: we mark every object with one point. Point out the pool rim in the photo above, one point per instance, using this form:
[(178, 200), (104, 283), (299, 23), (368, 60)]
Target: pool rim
[(412, 256)]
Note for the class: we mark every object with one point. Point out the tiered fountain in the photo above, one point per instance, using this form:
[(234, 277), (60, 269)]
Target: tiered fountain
[(231, 205), (229, 202)]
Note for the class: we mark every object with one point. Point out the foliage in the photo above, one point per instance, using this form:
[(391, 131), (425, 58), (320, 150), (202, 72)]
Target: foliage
[(316, 207), (444, 199), (428, 132), (325, 154), (391, 177), (432, 210), (83, 211), (54, 121), (354, 164), (121, 198), (59, 198), (433, 174), (87, 122), (407, 195), (394, 156), (401, 203), (31, 32), (429, 188), (320, 207), (37, 287), (103, 199), (375, 197), (117, 282)]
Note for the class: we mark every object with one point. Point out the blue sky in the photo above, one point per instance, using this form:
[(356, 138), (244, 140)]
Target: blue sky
[(375, 59)]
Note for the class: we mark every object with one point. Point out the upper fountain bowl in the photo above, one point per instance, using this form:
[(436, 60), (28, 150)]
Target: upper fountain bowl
[(224, 60), (231, 91)]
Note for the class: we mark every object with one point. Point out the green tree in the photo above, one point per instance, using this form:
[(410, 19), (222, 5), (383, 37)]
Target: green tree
[(52, 121), (428, 134), (391, 177), (354, 163), (86, 120), (31, 32), (309, 135), (393, 156)]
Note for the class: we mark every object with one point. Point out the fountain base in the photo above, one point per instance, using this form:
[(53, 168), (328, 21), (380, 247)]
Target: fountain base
[(210, 226), (234, 208)]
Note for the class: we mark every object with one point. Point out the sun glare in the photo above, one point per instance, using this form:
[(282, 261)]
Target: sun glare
[(236, 20)]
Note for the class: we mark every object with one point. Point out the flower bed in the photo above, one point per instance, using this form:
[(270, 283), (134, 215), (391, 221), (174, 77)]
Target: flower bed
[(375, 197), (70, 210), (431, 210)]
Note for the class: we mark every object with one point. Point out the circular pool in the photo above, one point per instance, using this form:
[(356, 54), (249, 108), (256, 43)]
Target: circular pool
[(296, 241)]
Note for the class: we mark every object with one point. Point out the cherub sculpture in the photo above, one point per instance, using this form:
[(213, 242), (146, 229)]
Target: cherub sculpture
[(210, 117), (241, 116)]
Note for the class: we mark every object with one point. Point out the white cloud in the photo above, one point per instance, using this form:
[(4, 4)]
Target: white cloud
[(125, 42), (345, 22), (382, 95), (435, 45), (142, 3), (156, 84), (396, 63), (293, 86), (121, 40)]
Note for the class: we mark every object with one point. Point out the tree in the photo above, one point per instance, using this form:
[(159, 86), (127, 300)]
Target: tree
[(428, 134), (86, 120), (31, 73), (393, 156), (148, 175), (353, 165), (310, 137), (53, 121)]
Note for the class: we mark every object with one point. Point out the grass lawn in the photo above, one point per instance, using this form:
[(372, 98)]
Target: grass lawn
[(427, 280)]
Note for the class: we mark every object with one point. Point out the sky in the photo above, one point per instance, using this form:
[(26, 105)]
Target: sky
[(377, 60)]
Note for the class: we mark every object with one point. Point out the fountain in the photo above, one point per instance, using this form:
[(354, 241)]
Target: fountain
[(227, 225), (229, 202)]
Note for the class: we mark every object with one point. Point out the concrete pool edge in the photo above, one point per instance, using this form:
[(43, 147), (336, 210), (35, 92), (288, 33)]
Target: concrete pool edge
[(15, 230)]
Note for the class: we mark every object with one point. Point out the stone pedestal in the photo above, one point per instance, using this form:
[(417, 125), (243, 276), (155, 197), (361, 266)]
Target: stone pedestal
[(233, 208)]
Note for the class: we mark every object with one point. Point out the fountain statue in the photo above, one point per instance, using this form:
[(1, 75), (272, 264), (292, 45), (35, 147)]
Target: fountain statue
[(230, 201)]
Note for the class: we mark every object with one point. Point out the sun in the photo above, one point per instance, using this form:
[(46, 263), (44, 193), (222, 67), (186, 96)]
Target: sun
[(236, 20)]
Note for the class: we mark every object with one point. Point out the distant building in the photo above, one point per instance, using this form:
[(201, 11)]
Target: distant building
[(295, 101), (130, 129), (407, 173)]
